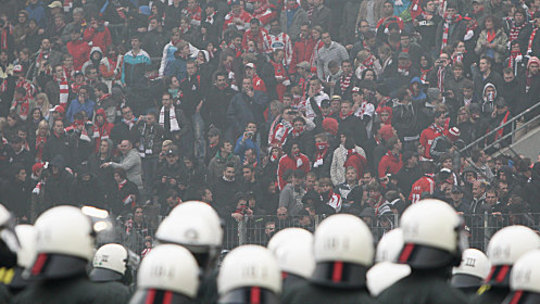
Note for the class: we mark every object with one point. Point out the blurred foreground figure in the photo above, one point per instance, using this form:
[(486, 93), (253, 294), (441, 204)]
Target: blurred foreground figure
[(525, 280), (249, 274), (386, 272), (65, 245), (343, 250), (504, 249), (434, 240), (293, 249)]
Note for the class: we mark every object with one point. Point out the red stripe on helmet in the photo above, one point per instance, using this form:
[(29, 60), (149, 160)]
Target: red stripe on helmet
[(502, 273), (517, 296), (167, 298), (150, 296), (337, 273), (406, 253), (40, 262), (255, 295)]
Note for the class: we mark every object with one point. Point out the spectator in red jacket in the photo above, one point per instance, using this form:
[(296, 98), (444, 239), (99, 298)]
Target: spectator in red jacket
[(78, 48), (425, 184), (98, 34), (292, 160), (437, 128), (303, 48), (255, 34), (391, 162)]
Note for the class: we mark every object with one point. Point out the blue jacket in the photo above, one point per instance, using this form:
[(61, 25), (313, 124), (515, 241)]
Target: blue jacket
[(75, 107), (241, 147), (177, 67), (37, 12), (422, 95), (243, 109)]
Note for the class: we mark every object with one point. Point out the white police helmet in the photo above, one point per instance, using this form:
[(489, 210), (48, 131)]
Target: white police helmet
[(293, 249), (383, 275), (65, 238), (526, 273), (249, 267), (433, 235), (510, 243), (389, 246), (343, 250), (472, 271), (505, 248), (345, 238), (169, 268), (113, 262), (27, 236)]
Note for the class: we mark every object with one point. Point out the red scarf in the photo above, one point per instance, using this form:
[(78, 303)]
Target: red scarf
[(64, 89), (499, 133), (512, 58), (491, 35), (24, 107), (423, 74), (448, 20)]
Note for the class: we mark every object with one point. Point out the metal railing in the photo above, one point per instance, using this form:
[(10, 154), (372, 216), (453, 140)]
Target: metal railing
[(258, 229), (510, 122)]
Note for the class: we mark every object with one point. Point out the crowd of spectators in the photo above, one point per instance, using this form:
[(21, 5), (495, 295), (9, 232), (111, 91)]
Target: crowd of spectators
[(289, 108)]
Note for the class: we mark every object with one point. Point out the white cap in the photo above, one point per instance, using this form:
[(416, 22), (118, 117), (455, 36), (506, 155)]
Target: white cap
[(65, 230), (510, 243), (169, 267), (344, 237), (293, 249), (526, 272), (389, 246), (249, 266)]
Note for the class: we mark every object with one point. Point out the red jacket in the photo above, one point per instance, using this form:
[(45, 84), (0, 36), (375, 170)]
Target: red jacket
[(430, 133), (80, 50), (102, 39), (389, 164), (424, 184), (302, 51), (286, 163)]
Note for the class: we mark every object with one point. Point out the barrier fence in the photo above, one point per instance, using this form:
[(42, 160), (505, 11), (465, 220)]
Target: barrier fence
[(258, 229)]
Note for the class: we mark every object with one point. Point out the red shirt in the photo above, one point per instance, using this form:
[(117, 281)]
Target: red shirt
[(286, 163), (80, 50), (424, 184)]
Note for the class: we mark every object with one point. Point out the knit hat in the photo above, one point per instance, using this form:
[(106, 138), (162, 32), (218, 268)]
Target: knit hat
[(454, 133), (386, 132), (532, 60), (101, 112), (59, 109), (330, 125)]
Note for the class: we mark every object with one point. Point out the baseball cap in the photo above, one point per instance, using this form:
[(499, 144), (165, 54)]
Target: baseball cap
[(304, 65), (59, 109), (250, 65), (18, 68), (336, 97)]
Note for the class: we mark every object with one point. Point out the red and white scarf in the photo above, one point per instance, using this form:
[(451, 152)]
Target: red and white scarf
[(322, 149), (448, 20), (346, 115), (531, 40), (514, 31), (64, 89), (172, 117), (440, 79), (345, 82), (499, 132)]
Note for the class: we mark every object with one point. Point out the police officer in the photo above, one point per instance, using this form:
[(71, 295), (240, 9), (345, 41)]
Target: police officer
[(472, 271), (249, 274), (386, 272), (65, 245), (9, 247), (504, 249), (113, 267), (168, 274), (196, 226), (293, 249), (343, 250), (433, 242), (27, 236), (525, 280)]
